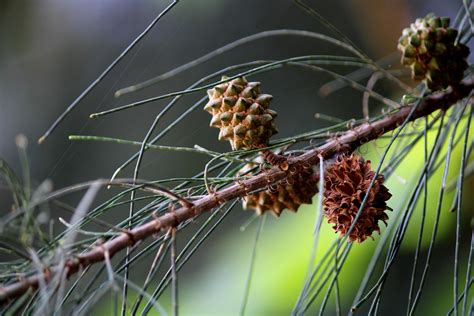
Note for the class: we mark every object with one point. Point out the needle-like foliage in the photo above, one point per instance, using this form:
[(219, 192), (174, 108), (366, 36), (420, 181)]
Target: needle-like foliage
[(92, 258)]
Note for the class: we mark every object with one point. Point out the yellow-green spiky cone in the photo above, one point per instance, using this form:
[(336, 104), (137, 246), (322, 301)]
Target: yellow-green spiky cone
[(429, 48), (241, 112)]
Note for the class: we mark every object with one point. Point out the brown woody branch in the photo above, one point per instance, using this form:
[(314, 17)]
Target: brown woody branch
[(348, 141)]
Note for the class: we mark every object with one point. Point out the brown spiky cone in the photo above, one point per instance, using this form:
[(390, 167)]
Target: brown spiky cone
[(242, 113), (429, 48), (297, 190), (345, 185)]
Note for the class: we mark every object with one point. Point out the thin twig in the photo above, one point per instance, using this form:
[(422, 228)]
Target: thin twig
[(174, 275), (105, 72), (253, 257), (351, 139)]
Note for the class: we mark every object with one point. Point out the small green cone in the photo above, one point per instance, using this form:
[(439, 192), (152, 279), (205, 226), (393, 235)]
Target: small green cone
[(429, 48)]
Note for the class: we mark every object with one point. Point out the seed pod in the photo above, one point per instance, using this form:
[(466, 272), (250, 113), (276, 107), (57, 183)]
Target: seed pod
[(346, 183), (429, 44), (239, 106), (298, 189)]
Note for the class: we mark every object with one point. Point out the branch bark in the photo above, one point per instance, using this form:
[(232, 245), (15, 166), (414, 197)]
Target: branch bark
[(348, 141)]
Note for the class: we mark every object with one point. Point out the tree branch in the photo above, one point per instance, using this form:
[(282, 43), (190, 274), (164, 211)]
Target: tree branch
[(348, 141)]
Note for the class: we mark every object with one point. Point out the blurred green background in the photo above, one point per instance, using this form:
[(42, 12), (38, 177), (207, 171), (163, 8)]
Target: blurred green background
[(51, 50)]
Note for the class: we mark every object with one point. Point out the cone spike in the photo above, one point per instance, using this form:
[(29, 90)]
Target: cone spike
[(215, 121)]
